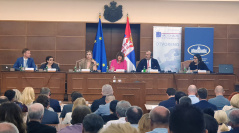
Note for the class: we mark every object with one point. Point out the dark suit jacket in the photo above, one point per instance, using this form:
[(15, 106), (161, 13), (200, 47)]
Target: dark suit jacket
[(143, 62), (235, 130), (67, 108), (203, 104), (50, 117), (55, 105), (36, 127), (200, 66), (95, 105), (54, 65), (168, 103), (110, 117), (19, 63)]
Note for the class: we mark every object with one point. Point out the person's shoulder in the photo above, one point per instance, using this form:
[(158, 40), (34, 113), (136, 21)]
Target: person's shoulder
[(54, 100)]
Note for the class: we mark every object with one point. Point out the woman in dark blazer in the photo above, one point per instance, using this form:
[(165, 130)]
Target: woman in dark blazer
[(50, 64), (197, 63)]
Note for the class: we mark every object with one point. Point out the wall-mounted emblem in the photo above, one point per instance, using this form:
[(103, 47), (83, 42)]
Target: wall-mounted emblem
[(199, 49), (113, 12)]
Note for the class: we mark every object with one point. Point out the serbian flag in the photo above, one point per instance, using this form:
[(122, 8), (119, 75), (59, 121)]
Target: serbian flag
[(128, 48)]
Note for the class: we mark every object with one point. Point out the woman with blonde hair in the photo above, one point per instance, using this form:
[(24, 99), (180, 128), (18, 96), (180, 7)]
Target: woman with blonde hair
[(78, 101), (144, 124), (28, 96), (222, 120)]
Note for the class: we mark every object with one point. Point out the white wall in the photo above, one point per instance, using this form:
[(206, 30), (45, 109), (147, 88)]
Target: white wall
[(140, 11)]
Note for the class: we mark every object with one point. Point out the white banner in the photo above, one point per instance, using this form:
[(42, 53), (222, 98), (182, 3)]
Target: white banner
[(167, 47)]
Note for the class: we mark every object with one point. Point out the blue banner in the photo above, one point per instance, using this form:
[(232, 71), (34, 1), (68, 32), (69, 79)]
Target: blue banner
[(199, 40)]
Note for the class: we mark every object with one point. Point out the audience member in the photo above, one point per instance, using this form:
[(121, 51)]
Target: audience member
[(68, 108), (133, 115), (53, 102), (234, 121), (203, 104), (49, 117), (77, 102), (185, 100), (35, 114), (211, 124), (28, 96), (119, 128), (92, 123), (106, 90), (121, 108), (209, 111), (10, 94), (10, 112), (144, 123), (178, 95), (231, 95), (113, 115), (17, 98), (220, 101), (222, 120), (105, 109), (6, 127), (78, 116), (159, 120), (3, 99), (186, 118), (192, 91), (171, 98)]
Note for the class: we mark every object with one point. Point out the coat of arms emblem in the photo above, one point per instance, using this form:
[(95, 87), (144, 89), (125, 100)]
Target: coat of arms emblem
[(113, 13)]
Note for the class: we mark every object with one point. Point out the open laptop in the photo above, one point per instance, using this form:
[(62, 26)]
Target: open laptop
[(6, 67), (226, 68)]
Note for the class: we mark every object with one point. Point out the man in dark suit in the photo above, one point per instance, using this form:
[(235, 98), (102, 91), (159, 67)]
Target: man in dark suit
[(234, 121), (54, 104), (49, 117), (26, 61), (203, 103), (35, 114), (148, 62), (171, 98)]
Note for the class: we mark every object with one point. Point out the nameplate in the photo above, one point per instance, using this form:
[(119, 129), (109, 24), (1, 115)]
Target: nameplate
[(29, 70), (202, 72), (120, 71), (85, 70), (51, 69)]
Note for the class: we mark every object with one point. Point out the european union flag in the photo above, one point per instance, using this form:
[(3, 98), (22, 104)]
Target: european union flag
[(99, 53)]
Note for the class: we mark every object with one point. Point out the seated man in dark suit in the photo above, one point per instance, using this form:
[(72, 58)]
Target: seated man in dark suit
[(203, 103), (148, 62), (26, 61), (35, 114), (53, 102), (171, 98), (49, 117)]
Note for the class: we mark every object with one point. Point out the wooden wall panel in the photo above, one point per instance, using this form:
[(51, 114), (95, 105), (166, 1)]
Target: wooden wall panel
[(41, 43), (12, 42), (12, 28), (41, 28)]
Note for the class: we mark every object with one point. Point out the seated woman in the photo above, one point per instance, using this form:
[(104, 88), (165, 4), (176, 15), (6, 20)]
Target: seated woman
[(119, 62), (87, 63), (50, 63), (197, 63)]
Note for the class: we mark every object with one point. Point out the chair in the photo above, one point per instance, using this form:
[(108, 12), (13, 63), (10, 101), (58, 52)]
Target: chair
[(185, 64)]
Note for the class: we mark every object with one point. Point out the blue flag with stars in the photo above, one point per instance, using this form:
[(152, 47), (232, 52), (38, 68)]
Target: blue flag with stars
[(99, 53)]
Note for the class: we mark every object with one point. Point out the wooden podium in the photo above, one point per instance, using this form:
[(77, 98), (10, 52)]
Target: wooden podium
[(134, 92)]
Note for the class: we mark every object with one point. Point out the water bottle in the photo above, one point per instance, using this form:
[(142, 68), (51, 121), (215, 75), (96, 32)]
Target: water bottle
[(75, 69), (36, 68), (46, 68), (114, 79), (21, 67), (107, 69), (144, 70)]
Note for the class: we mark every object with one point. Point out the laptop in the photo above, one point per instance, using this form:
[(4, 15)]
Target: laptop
[(6, 67), (226, 68)]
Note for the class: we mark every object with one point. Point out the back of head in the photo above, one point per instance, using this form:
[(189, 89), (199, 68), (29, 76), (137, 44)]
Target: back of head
[(92, 123), (119, 128), (178, 95), (10, 94), (185, 118), (133, 114), (45, 91), (6, 127), (202, 93), (122, 107), (79, 114), (78, 101), (144, 123), (159, 115), (185, 100), (235, 101), (28, 96), (3, 99), (171, 91), (234, 117), (76, 95), (231, 95), (211, 124), (219, 89), (113, 105), (18, 94), (43, 99), (192, 90), (35, 111), (107, 90), (222, 119)]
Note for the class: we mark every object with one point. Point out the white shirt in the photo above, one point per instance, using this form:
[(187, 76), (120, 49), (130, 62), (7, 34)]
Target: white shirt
[(25, 63), (67, 119), (120, 120), (149, 63)]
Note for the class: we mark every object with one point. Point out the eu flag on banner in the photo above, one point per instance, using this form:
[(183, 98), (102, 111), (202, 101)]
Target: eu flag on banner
[(99, 53), (128, 48)]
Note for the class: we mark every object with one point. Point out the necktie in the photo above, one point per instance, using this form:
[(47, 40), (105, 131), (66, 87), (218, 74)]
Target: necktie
[(148, 64)]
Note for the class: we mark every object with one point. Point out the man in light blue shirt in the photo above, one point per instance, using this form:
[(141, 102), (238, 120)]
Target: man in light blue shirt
[(192, 91), (159, 119), (220, 101), (105, 109)]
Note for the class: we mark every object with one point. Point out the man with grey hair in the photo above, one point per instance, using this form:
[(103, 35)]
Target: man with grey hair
[(6, 127), (192, 91), (121, 108), (234, 121), (185, 100), (148, 63), (106, 91), (220, 101), (105, 109), (54, 104), (35, 115), (159, 120)]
